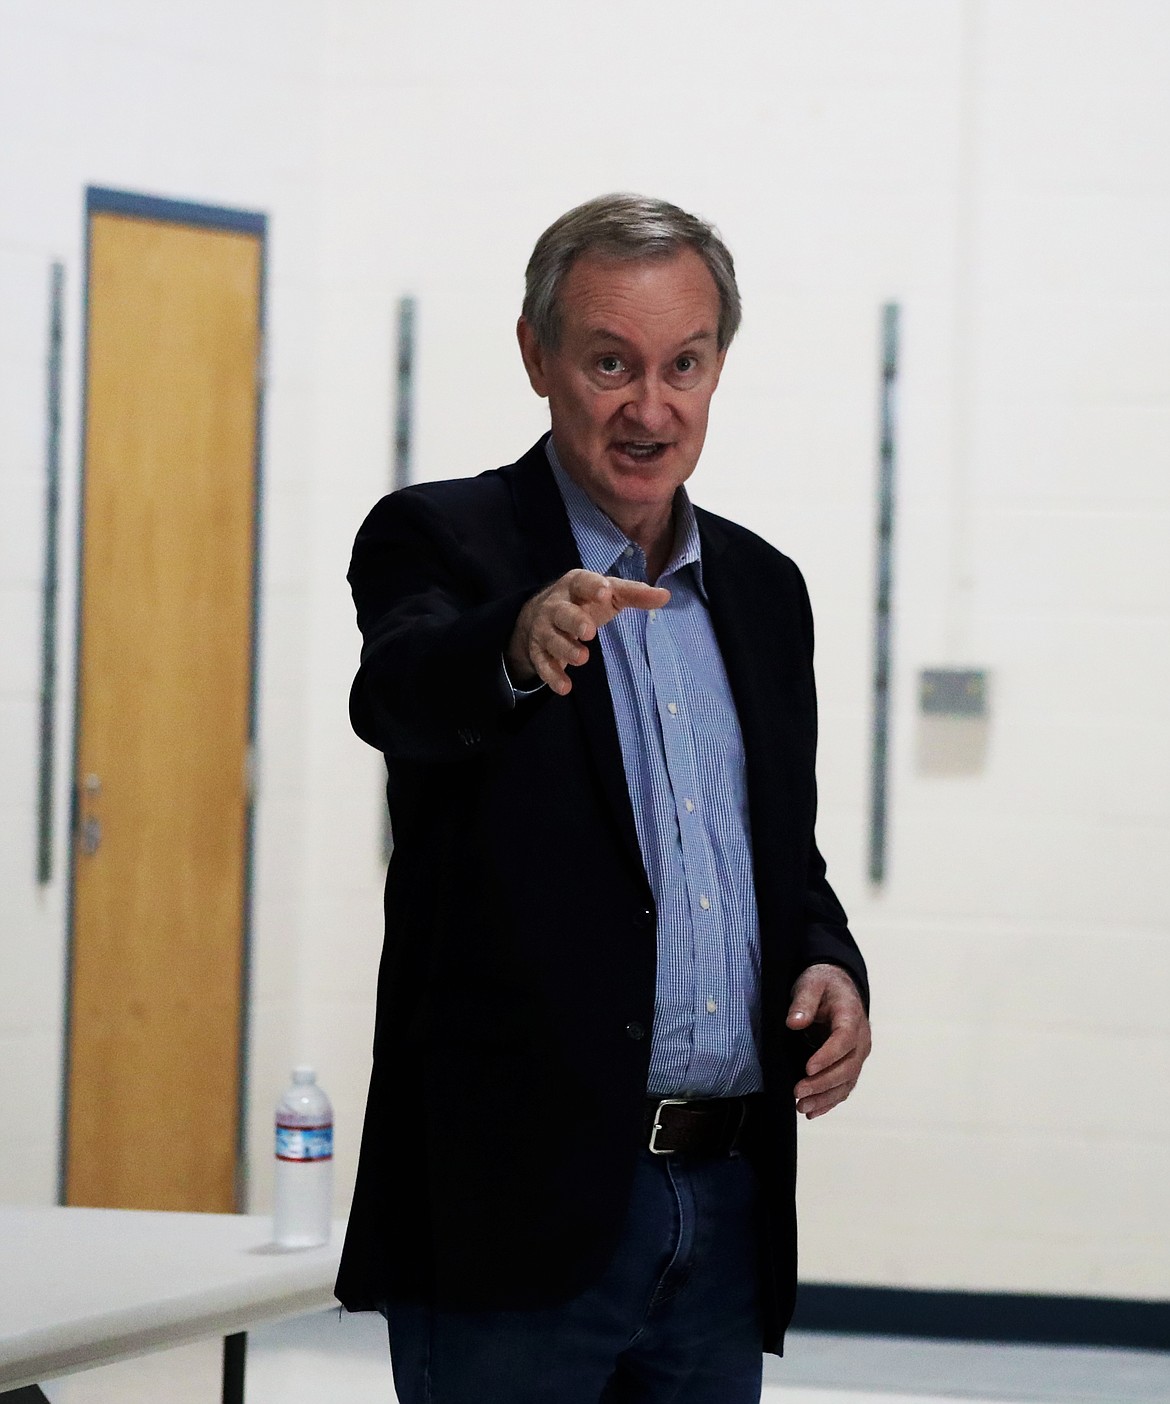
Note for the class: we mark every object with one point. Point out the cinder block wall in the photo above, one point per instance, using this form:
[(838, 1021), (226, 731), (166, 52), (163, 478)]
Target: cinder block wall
[(219, 105), (1002, 170)]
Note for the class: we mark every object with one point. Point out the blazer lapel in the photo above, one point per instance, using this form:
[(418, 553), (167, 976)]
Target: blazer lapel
[(757, 668), (544, 525)]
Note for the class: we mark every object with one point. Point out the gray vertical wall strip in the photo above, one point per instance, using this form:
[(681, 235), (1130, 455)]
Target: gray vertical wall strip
[(883, 605), (404, 403), (403, 445), (49, 589)]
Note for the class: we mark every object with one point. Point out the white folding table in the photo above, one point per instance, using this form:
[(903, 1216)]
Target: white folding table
[(82, 1287)]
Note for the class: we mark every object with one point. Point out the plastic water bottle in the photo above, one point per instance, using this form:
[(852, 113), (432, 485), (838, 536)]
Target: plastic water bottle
[(302, 1208)]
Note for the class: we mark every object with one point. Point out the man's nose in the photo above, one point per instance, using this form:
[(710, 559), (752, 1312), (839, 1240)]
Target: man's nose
[(649, 406)]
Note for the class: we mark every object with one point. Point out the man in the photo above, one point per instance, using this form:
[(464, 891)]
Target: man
[(613, 966)]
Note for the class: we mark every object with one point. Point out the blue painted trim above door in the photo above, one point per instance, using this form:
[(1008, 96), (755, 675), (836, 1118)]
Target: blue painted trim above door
[(99, 200)]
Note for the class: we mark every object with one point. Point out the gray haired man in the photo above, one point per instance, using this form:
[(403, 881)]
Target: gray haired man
[(614, 970)]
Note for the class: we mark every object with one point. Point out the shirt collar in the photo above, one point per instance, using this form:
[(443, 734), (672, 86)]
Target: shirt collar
[(602, 543)]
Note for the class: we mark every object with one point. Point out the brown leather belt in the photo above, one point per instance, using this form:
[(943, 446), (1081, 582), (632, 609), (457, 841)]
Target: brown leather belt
[(698, 1127)]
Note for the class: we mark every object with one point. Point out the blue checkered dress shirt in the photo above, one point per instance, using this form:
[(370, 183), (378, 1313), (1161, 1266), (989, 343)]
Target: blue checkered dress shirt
[(683, 755)]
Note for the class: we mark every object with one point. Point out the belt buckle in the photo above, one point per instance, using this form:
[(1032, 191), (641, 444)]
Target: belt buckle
[(654, 1130)]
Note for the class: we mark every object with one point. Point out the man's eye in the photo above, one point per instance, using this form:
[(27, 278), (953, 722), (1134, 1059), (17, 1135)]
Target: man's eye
[(686, 364), (610, 365)]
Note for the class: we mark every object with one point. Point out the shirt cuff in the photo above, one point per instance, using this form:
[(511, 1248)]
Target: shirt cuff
[(517, 694)]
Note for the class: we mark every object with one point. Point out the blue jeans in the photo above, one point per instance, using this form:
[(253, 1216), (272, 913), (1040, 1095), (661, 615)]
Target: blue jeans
[(674, 1320)]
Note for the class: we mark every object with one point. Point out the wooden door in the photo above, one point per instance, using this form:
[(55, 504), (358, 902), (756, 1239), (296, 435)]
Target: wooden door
[(164, 708)]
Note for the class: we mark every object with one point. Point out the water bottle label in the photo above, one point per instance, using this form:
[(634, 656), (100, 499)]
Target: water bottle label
[(304, 1142)]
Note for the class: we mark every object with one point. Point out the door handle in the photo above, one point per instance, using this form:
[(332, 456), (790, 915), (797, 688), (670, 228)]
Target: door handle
[(89, 831)]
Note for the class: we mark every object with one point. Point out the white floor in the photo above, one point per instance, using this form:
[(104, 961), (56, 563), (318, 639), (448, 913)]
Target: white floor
[(332, 1357)]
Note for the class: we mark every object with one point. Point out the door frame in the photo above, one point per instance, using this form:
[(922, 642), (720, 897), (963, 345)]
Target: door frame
[(101, 200)]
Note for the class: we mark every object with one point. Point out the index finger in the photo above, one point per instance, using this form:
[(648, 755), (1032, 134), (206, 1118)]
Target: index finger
[(841, 1044), (636, 594), (586, 586)]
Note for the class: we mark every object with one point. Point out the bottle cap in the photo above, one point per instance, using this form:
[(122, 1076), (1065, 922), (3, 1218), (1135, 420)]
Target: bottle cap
[(303, 1075)]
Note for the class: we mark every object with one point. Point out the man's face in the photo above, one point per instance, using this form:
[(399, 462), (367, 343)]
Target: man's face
[(631, 381)]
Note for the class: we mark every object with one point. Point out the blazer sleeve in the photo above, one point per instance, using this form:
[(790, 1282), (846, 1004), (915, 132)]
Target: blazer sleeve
[(824, 935), (434, 625)]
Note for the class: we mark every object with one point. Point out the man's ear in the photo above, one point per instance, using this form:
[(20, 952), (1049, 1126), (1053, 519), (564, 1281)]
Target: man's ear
[(533, 355)]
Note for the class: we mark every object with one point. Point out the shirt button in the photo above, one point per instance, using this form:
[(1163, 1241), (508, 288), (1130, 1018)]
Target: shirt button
[(635, 1030), (711, 1006), (653, 614), (704, 901), (672, 708), (690, 804), (628, 552)]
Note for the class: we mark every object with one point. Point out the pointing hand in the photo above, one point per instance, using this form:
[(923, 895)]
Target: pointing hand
[(554, 627)]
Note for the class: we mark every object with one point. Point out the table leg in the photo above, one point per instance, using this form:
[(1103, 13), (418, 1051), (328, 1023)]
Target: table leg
[(27, 1394), (234, 1348)]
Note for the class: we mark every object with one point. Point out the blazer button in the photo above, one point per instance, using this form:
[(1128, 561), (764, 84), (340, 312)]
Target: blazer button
[(635, 1030)]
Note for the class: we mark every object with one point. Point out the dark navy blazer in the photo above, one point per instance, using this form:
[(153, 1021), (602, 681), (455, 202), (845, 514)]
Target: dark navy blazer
[(516, 988)]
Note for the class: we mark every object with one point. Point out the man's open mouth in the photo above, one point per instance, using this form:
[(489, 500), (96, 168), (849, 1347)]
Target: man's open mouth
[(642, 451)]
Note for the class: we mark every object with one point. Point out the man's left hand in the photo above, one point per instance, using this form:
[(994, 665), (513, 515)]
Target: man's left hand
[(825, 994)]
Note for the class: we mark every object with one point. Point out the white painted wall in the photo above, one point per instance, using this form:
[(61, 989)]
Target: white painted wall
[(999, 167), (217, 104)]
